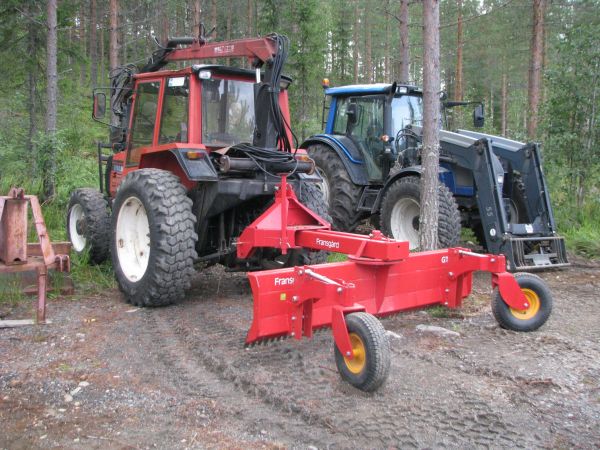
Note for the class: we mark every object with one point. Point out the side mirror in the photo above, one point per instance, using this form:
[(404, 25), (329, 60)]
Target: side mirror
[(99, 110), (478, 116), (352, 114)]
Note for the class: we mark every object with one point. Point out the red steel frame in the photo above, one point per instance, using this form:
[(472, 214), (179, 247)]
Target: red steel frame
[(16, 255), (380, 277)]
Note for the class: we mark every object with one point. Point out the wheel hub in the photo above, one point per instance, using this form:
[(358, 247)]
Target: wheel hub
[(404, 221), (534, 303), (133, 239), (357, 363), (77, 228)]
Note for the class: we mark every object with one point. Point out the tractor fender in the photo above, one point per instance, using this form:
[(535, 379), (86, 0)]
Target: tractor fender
[(402, 173), (347, 152), (189, 171)]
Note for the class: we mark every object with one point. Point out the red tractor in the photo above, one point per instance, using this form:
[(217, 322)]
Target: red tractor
[(205, 170)]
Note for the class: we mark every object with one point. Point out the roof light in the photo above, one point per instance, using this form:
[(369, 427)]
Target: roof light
[(385, 138), (204, 74), (402, 90), (325, 83)]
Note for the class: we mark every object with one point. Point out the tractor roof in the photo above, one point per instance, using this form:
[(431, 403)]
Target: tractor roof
[(214, 68), (368, 89)]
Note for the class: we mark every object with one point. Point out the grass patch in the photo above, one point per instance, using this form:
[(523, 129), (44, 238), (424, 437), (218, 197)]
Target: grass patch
[(336, 257), (439, 312)]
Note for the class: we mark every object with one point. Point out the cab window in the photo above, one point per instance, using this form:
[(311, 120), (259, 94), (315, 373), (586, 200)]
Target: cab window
[(227, 112), (144, 118), (174, 119)]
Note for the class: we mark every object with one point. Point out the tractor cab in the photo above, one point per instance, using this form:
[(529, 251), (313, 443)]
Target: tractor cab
[(370, 118), (176, 116)]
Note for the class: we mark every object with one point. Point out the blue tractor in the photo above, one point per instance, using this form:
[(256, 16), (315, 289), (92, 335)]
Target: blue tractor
[(369, 157)]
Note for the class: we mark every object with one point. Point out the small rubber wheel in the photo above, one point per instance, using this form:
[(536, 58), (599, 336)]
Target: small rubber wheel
[(539, 299), (370, 366)]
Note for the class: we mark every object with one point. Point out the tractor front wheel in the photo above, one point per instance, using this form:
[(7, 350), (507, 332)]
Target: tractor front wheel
[(539, 300), (401, 211), (370, 365), (153, 238), (88, 224)]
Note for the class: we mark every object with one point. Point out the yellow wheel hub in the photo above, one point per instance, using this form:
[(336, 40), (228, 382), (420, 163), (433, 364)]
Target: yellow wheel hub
[(356, 364), (533, 300)]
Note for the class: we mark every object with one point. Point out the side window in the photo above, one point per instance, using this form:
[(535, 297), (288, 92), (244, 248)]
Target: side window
[(341, 119), (174, 119), (144, 118)]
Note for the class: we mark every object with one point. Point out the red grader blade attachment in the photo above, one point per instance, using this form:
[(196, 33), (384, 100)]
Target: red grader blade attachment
[(379, 278)]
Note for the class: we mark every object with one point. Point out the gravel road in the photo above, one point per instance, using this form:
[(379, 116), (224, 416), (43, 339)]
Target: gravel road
[(107, 375)]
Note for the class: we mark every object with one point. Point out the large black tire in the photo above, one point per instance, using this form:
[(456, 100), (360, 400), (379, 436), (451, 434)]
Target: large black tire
[(370, 366), (153, 247), (540, 305), (88, 224), (402, 200), (340, 193), (312, 197)]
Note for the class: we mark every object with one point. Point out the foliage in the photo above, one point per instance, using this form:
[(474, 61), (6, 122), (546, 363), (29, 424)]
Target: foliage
[(325, 36)]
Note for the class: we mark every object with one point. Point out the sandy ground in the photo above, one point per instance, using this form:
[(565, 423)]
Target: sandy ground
[(107, 375)]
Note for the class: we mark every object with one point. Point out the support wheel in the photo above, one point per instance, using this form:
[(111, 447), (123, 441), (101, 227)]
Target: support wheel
[(401, 211), (153, 238), (88, 224), (340, 193), (539, 299), (370, 366)]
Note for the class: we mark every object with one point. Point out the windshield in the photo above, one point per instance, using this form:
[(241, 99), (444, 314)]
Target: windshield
[(406, 110), (227, 112)]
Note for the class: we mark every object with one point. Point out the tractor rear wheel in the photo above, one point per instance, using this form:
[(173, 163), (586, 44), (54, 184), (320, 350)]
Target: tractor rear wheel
[(88, 224), (341, 194), (370, 365), (153, 238), (401, 210), (539, 300)]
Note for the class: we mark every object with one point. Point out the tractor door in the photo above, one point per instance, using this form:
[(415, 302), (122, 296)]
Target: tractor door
[(145, 112), (361, 119)]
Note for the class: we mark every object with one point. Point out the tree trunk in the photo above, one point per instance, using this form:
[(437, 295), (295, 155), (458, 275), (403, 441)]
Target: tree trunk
[(386, 68), (368, 48), (32, 45), (114, 46), (355, 41), (535, 66), (102, 54), (197, 16), (431, 125), (82, 46), (504, 103), (213, 23), (164, 22), (93, 44), (458, 88), (250, 17), (52, 98), (403, 73)]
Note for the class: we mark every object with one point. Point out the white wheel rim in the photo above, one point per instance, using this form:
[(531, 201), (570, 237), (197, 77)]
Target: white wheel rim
[(133, 239), (76, 215), (323, 185), (404, 217)]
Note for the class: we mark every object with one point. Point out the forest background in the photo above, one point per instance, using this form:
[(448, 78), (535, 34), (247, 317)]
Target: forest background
[(486, 54)]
